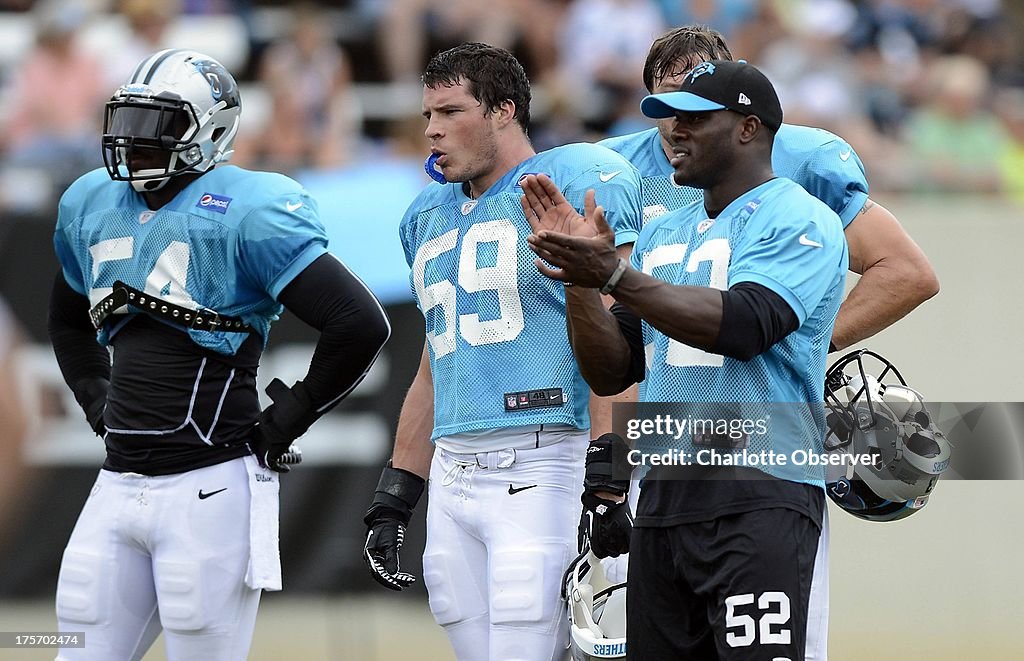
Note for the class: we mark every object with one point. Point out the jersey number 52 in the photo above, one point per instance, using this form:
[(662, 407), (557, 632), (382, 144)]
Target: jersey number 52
[(716, 251)]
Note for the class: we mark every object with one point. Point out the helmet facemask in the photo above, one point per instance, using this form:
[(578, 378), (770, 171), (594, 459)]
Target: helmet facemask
[(596, 609), (148, 140), (181, 118), (886, 420)]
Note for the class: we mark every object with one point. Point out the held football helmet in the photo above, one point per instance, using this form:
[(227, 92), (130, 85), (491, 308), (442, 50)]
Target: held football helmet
[(895, 452), (597, 611), (178, 113)]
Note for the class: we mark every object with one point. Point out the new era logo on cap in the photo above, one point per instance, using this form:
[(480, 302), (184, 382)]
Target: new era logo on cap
[(720, 85)]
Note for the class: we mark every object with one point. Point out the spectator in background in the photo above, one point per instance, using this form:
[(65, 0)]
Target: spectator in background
[(728, 16), (314, 117), (604, 76), (812, 70), (817, 79), (149, 22), (954, 143), (1010, 109), (995, 43), (57, 137), (409, 29)]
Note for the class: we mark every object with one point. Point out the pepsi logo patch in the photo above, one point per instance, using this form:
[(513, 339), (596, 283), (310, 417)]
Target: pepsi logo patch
[(212, 202)]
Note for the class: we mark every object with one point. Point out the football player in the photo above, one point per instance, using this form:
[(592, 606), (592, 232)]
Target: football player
[(178, 263), (730, 299), (497, 391), (895, 274)]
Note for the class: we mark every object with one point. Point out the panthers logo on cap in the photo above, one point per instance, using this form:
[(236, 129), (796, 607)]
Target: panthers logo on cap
[(700, 70)]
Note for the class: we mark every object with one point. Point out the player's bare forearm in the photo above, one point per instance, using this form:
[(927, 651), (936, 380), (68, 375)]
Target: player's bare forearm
[(602, 410), (601, 351), (691, 315), (896, 276), (413, 447)]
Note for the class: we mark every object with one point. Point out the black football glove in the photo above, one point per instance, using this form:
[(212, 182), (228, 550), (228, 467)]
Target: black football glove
[(396, 496), (605, 523), (91, 395), (279, 424)]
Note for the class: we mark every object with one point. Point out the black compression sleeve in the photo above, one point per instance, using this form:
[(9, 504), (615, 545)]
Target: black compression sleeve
[(352, 325), (80, 357), (633, 330), (753, 319)]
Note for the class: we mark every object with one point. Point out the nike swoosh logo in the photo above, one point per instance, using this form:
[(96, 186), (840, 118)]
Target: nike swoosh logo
[(804, 241), (845, 155), (605, 177), (513, 491), (295, 206), (204, 496)]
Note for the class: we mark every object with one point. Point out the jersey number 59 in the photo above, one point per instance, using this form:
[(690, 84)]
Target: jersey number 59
[(502, 278)]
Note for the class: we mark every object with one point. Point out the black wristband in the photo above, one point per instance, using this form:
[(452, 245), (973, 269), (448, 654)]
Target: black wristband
[(608, 467), (398, 490)]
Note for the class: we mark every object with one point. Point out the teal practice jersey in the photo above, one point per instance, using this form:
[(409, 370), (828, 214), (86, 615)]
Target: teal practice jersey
[(495, 326), (778, 236), (229, 242), (821, 162)]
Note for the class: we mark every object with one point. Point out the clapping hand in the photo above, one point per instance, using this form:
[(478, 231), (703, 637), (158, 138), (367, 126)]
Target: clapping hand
[(582, 248)]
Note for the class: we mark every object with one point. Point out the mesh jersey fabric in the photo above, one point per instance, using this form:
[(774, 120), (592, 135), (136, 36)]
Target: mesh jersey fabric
[(495, 325), (776, 235), (229, 242)]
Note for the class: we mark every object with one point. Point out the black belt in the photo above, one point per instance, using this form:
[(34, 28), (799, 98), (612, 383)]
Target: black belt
[(176, 314)]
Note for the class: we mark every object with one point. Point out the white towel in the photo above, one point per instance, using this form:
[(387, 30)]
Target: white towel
[(264, 571)]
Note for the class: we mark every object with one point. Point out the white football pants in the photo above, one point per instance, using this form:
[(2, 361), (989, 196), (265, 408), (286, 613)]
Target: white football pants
[(148, 553), (501, 530)]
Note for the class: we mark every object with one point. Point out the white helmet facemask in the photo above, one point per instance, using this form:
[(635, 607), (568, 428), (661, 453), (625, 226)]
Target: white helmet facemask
[(596, 609)]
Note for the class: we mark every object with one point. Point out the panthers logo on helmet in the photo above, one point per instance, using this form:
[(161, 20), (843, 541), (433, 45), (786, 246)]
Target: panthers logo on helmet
[(222, 84), (897, 451)]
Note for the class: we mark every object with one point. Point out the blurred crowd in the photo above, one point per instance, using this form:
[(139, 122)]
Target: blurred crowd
[(929, 92)]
